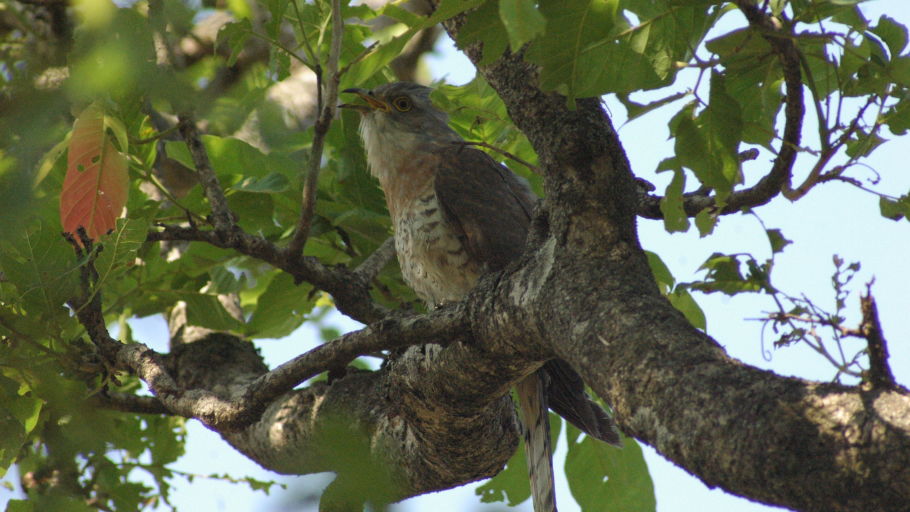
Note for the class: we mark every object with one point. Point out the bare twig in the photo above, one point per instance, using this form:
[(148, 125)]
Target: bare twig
[(533, 168), (327, 107), (221, 214)]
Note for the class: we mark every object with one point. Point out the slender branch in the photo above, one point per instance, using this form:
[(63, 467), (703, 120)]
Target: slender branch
[(375, 262), (438, 326), (778, 178), (125, 402), (351, 294), (815, 175), (326, 114), (222, 218), (533, 168)]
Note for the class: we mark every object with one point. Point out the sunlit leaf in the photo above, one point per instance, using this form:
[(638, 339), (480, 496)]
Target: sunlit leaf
[(522, 20), (96, 184)]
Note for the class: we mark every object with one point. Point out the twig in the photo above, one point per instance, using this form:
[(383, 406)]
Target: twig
[(126, 402), (533, 168), (879, 374), (370, 267), (221, 214), (327, 107)]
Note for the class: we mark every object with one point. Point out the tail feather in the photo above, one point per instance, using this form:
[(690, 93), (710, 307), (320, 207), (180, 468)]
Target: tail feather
[(533, 404), (566, 396)]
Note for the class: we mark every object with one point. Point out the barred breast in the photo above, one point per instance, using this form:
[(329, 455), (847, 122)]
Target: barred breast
[(433, 259)]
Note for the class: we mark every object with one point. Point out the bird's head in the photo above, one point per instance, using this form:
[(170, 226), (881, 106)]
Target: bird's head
[(397, 122), (401, 107)]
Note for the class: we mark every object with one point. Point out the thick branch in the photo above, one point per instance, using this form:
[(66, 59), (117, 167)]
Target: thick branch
[(784, 441)]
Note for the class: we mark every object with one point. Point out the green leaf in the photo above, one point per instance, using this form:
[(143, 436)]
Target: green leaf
[(235, 36), (18, 417), (671, 206), (892, 33), (281, 308), (661, 272), (522, 20), (580, 55), (636, 110), (724, 275), (485, 26), (272, 183), (224, 281), (894, 210), (42, 266), (120, 248), (705, 221), (777, 240), (607, 479), (683, 301), (205, 310)]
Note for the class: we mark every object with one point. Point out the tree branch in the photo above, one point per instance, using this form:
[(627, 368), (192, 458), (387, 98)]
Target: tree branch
[(351, 293), (327, 107), (222, 218), (672, 386), (781, 40)]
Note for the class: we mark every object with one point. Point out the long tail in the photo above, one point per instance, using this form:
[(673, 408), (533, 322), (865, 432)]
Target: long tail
[(533, 404)]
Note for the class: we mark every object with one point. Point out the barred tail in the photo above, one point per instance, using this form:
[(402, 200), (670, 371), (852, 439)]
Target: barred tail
[(533, 404)]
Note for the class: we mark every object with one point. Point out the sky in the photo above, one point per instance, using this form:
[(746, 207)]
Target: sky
[(832, 219)]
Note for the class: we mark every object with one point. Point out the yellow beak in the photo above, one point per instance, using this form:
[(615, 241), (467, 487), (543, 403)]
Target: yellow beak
[(373, 103)]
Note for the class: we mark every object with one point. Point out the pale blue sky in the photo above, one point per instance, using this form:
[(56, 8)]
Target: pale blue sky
[(832, 219)]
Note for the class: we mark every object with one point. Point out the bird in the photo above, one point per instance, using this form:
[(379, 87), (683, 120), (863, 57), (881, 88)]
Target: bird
[(457, 214)]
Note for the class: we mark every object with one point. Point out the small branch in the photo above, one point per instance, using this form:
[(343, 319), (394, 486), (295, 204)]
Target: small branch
[(352, 295), (533, 168), (879, 375), (778, 178), (125, 402), (222, 218), (327, 107), (438, 326), (816, 174), (375, 262)]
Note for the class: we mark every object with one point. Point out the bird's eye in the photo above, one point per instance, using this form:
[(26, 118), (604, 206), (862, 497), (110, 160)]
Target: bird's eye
[(402, 103)]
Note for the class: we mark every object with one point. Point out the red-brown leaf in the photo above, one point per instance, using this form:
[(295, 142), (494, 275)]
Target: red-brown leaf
[(96, 184)]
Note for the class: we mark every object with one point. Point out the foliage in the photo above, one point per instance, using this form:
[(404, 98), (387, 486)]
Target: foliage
[(118, 65)]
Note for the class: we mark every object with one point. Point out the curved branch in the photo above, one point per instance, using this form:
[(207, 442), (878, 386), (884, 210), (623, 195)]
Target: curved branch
[(778, 179)]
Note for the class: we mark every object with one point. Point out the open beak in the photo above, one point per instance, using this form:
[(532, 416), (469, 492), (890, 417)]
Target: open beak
[(373, 103)]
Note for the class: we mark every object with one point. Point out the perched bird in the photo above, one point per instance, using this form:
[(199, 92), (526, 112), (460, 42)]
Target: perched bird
[(458, 214)]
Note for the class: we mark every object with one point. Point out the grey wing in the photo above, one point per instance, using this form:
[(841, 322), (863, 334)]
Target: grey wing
[(490, 206)]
